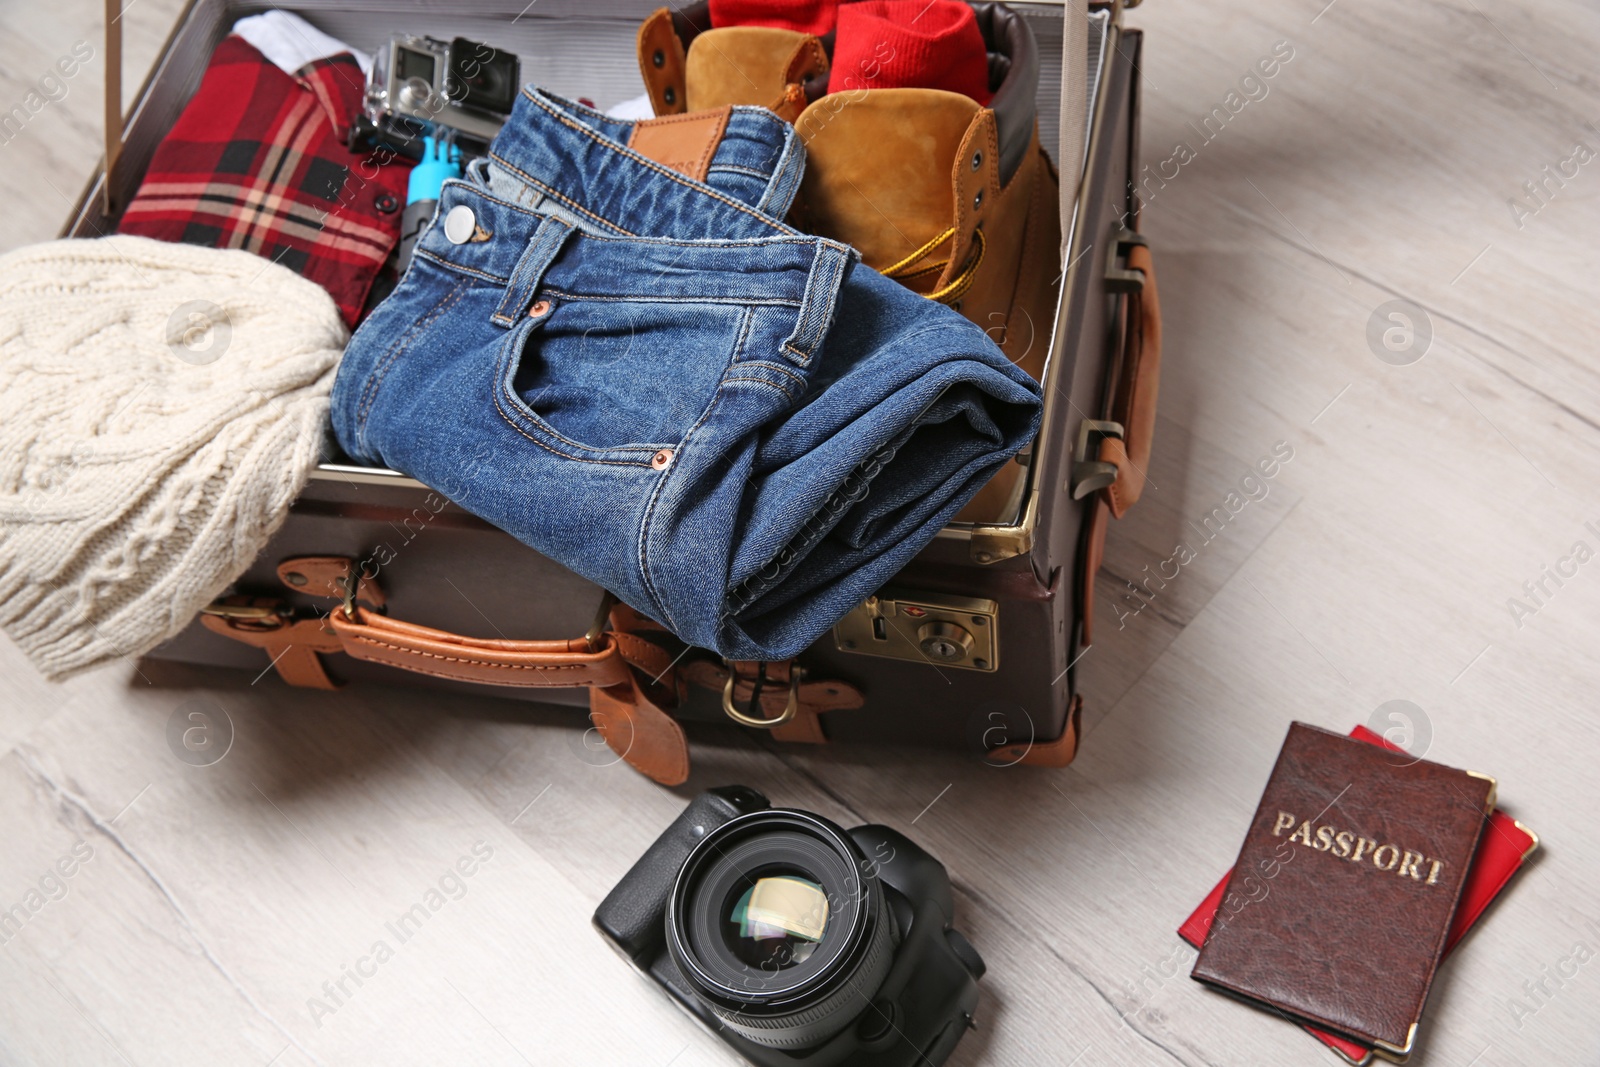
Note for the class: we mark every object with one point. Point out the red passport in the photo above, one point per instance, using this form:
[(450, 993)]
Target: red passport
[(1505, 846)]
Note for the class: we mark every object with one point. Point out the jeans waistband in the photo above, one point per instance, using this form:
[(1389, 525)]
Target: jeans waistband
[(771, 269), (577, 160)]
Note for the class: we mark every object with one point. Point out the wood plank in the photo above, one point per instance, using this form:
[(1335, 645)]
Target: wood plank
[(219, 899)]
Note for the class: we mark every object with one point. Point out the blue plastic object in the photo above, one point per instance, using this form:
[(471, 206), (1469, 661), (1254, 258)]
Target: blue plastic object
[(439, 162)]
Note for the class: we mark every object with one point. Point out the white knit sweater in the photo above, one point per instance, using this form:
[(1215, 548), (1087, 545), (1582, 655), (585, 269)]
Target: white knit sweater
[(161, 405)]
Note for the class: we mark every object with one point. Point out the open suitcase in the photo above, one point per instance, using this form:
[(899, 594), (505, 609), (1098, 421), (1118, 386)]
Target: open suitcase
[(973, 645)]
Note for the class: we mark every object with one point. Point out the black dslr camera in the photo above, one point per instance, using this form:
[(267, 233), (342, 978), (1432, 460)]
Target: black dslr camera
[(798, 943)]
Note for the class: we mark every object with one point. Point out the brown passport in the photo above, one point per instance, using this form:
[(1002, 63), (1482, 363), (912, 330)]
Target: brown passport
[(1351, 872)]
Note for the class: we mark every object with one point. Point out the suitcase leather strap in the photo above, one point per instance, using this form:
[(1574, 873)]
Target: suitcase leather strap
[(1137, 389), (782, 683), (621, 671), (293, 646), (628, 677), (1133, 409)]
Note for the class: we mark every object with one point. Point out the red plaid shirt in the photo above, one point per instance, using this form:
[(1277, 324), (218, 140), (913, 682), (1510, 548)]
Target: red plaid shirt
[(258, 161)]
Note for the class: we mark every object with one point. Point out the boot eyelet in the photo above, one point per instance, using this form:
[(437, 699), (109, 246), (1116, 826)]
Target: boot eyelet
[(659, 59), (977, 157), (956, 307), (977, 201), (670, 95)]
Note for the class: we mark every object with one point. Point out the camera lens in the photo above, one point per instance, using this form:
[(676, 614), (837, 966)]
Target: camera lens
[(775, 927), (778, 921), (482, 77), (486, 84)]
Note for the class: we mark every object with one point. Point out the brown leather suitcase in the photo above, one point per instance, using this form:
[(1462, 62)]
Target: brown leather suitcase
[(973, 645)]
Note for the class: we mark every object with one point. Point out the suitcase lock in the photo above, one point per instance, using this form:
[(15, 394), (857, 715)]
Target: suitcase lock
[(945, 631)]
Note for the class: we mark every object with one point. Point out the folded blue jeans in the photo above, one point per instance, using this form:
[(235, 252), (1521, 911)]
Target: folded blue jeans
[(735, 427)]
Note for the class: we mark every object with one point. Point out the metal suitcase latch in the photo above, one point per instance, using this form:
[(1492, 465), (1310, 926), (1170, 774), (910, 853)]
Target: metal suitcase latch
[(1089, 474), (946, 631), (1120, 279)]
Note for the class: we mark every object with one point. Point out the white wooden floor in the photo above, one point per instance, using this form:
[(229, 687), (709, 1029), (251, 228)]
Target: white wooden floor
[(208, 906)]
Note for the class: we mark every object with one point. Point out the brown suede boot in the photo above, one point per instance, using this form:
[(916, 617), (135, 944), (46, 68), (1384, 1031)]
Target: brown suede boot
[(753, 65), (955, 201), (911, 178), (690, 69)]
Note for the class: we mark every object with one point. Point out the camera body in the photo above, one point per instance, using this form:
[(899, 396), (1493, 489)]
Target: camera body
[(914, 1014), (461, 84)]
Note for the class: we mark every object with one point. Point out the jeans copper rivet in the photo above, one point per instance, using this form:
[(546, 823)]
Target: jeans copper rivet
[(539, 308), (660, 460)]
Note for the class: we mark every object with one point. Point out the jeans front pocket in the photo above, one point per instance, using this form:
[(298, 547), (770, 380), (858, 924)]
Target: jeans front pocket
[(398, 325), (614, 379)]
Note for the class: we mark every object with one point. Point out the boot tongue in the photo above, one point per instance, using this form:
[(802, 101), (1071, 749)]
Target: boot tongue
[(756, 65), (879, 174)]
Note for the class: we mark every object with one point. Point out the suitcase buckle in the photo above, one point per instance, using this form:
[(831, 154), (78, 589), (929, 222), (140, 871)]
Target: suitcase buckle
[(602, 620), (351, 583), (1090, 475), (795, 674), (270, 615)]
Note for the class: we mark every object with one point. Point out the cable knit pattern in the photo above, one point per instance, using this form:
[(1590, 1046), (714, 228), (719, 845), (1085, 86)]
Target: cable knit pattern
[(161, 405)]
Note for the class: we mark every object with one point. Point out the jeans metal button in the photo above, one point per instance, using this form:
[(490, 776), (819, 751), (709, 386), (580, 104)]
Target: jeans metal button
[(459, 224)]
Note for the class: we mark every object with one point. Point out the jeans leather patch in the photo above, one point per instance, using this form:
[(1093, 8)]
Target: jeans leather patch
[(685, 143)]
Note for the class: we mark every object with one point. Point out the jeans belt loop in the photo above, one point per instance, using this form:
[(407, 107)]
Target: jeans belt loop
[(541, 251), (816, 306)]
